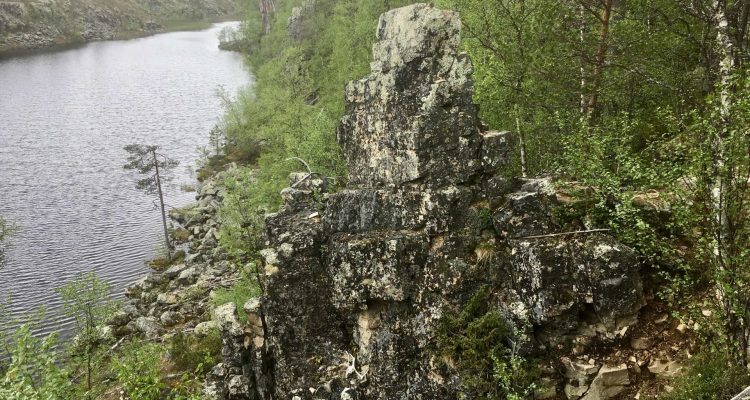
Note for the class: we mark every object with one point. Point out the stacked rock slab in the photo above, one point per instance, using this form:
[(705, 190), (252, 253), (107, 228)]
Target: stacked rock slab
[(356, 281)]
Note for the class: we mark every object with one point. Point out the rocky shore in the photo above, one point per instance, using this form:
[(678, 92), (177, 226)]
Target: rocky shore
[(177, 297), (31, 25)]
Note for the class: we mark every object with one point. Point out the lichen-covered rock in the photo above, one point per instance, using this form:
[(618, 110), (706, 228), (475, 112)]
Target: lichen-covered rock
[(357, 283), (296, 23), (561, 279), (412, 119), (149, 327)]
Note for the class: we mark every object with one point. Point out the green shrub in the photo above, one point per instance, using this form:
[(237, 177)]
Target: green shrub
[(193, 354), (710, 377), (138, 371), (33, 372), (242, 291), (483, 349)]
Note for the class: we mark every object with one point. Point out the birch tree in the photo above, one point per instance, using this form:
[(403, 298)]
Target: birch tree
[(267, 9)]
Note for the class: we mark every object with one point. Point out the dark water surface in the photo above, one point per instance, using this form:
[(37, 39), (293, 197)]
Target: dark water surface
[(64, 119)]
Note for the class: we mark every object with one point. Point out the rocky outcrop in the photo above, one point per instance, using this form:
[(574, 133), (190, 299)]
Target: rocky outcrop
[(29, 25), (296, 23), (357, 282)]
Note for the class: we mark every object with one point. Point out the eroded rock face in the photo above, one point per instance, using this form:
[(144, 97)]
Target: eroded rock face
[(296, 23), (413, 117), (356, 281)]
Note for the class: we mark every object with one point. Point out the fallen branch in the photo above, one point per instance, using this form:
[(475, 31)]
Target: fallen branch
[(563, 234), (113, 348), (309, 170)]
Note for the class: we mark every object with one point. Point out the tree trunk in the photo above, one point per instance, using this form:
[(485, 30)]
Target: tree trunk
[(521, 145), (163, 211), (719, 181), (742, 26), (90, 328), (581, 33), (267, 8), (601, 54)]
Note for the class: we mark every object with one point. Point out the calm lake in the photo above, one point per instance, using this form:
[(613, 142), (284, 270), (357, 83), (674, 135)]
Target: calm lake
[(64, 119)]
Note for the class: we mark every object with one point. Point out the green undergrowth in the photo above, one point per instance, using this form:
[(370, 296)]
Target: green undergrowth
[(711, 376), (191, 353), (243, 290), (483, 349)]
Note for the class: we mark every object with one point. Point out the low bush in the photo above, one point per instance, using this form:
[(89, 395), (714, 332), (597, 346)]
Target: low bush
[(483, 350), (193, 354), (242, 291), (138, 371), (710, 377)]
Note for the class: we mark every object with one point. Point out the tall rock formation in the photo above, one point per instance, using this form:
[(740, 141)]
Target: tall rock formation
[(357, 282)]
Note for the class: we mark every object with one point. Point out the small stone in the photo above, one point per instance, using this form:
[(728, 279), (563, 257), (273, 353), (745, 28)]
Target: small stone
[(166, 298), (188, 276), (226, 318), (662, 319), (174, 271), (205, 328), (170, 318), (665, 368), (682, 328), (707, 313), (148, 326)]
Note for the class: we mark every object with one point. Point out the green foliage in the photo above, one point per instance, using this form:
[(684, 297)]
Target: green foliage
[(294, 107), (242, 212), (722, 166), (537, 59), (87, 301), (243, 290), (483, 349), (33, 372), (138, 371), (194, 354), (711, 377), (147, 160)]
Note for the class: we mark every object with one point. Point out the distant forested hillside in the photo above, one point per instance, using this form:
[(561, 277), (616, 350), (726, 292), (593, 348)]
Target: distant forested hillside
[(30, 24)]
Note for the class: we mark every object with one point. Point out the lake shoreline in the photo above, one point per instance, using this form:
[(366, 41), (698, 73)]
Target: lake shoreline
[(66, 117), (58, 46)]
